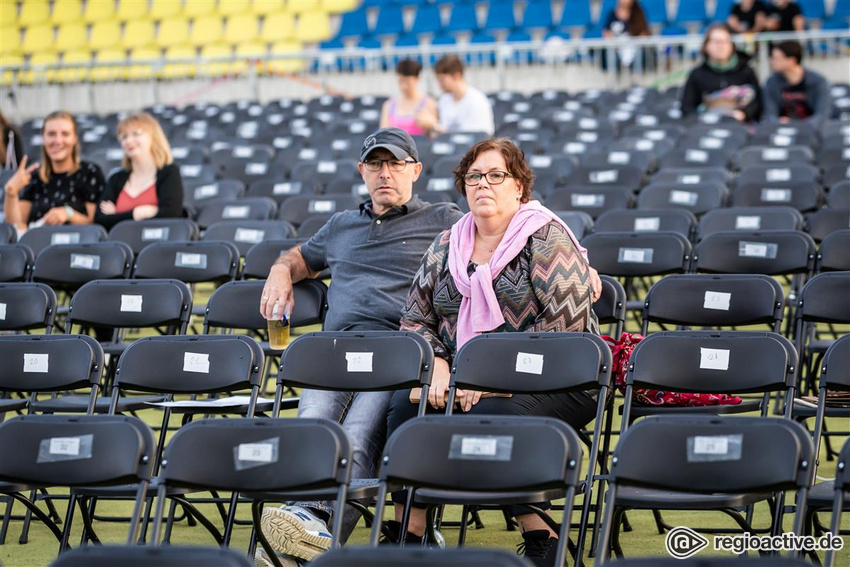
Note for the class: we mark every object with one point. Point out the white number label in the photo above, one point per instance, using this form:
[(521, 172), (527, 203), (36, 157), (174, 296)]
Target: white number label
[(359, 361), (131, 303), (529, 363), (713, 358), (717, 300)]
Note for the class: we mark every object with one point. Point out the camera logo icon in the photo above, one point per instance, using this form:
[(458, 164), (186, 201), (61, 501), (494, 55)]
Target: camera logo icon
[(683, 542)]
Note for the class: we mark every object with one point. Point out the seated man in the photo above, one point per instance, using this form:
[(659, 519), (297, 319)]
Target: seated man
[(461, 107), (793, 92)]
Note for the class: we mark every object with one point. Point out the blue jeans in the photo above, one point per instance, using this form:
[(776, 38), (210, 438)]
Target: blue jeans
[(363, 416)]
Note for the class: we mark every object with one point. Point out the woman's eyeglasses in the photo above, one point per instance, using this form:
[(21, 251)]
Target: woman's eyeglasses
[(492, 177), (133, 134)]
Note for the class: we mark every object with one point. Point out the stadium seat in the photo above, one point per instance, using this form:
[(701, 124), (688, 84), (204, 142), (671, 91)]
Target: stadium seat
[(537, 15), (105, 34), (74, 74), (40, 238), (813, 9), (34, 13), (638, 253), (722, 9), (427, 20), (770, 252), (206, 30), (245, 234), (414, 556), (248, 208), (286, 65), (132, 10), (66, 11), (185, 68), (172, 32), (17, 262), (38, 38), (298, 207), (71, 37), (832, 254), (199, 8), (500, 16), (632, 220), (139, 54), (354, 24), (691, 12), (138, 33), (277, 26), (66, 267), (265, 7), (166, 556), (824, 222), (463, 19), (165, 10), (99, 11), (243, 28), (209, 66), (190, 262), (259, 260), (576, 13), (138, 234), (390, 21), (313, 27), (10, 40), (749, 219), (8, 14)]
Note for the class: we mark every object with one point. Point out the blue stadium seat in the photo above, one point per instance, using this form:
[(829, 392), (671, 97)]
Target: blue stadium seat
[(607, 6), (390, 21), (353, 24), (841, 11), (500, 16), (486, 59), (407, 40), (592, 33), (656, 11), (520, 36), (427, 19), (463, 18), (673, 30), (538, 14), (815, 9), (441, 40), (369, 43), (576, 13), (722, 10), (691, 12)]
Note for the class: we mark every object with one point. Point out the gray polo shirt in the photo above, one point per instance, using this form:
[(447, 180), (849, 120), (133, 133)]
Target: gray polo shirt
[(373, 259)]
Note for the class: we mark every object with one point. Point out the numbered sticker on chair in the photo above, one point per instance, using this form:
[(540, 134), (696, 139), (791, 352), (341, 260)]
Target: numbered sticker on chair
[(481, 447), (648, 224), (778, 175), (359, 127), (588, 124), (689, 179), (65, 238), (845, 154), (774, 154), (190, 260), (321, 206), (236, 212), (747, 222), (713, 448), (85, 261), (757, 250), (776, 195), (196, 362), (442, 148), (36, 362), (711, 143), (70, 448), (285, 188), (655, 135), (440, 184), (575, 148), (587, 200), (540, 161), (714, 358), (190, 170), (249, 235), (243, 151), (782, 140), (340, 145), (2, 311), (358, 361), (645, 145), (326, 167), (131, 303), (687, 198), (588, 137), (256, 168), (648, 120), (280, 142), (696, 156), (360, 190), (529, 363), (65, 446), (206, 191), (618, 157), (635, 255), (607, 176), (528, 124), (154, 234), (256, 452), (308, 154), (717, 300), (710, 118)]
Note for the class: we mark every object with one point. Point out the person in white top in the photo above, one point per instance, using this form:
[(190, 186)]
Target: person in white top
[(462, 108)]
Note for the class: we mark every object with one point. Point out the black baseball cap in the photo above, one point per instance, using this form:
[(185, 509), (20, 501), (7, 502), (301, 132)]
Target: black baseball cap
[(397, 141)]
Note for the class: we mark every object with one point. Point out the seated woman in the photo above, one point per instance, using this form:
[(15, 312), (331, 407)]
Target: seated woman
[(508, 265), (65, 190), (724, 83), (412, 111), (149, 183), (626, 19)]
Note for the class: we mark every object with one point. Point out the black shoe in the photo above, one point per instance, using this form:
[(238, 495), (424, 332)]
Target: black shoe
[(539, 548), (392, 531)]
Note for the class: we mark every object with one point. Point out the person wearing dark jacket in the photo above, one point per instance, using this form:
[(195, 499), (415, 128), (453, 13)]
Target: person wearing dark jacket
[(724, 83), (793, 92), (149, 183)]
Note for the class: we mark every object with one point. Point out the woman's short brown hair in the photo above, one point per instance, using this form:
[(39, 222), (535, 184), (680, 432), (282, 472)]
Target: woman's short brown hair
[(515, 163), (408, 68), (717, 26)]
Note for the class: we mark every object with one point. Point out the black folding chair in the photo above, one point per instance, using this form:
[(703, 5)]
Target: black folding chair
[(703, 460), (842, 486), (190, 262), (199, 192), (655, 220), (16, 261), (245, 234), (68, 266), (27, 306), (350, 556), (800, 195), (594, 200), (246, 208), (261, 257), (135, 556), (698, 199), (40, 238), (749, 219), (8, 234), (297, 208), (139, 234), (610, 308), (833, 255), (824, 222)]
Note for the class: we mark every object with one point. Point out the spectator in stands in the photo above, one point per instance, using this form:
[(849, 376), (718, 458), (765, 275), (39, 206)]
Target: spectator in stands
[(509, 265), (65, 190), (148, 185), (461, 107), (793, 92), (748, 16), (413, 111), (626, 19), (11, 148), (724, 83), (785, 16)]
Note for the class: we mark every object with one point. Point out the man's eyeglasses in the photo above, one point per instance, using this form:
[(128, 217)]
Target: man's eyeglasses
[(394, 164), (492, 177)]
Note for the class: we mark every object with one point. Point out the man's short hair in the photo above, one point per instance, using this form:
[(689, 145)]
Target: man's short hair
[(408, 68), (791, 49), (449, 65)]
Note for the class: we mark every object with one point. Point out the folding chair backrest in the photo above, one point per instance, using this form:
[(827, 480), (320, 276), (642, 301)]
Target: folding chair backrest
[(68, 266), (138, 556), (842, 485), (801, 195), (49, 363), (610, 308), (245, 234), (638, 254), (191, 262), (483, 453), (836, 361), (834, 252), (825, 299), (532, 362), (247, 208), (8, 234), (591, 199), (25, 306), (770, 252), (714, 301), (697, 199), (93, 450), (782, 173), (132, 303), (261, 257), (385, 556), (750, 219), (235, 305), (40, 238), (824, 222), (16, 260), (631, 220), (296, 209), (139, 234)]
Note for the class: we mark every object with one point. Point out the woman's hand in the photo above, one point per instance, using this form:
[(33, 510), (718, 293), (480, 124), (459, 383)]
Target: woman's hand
[(739, 116), (595, 284), (107, 207), (21, 178), (439, 390), (143, 212), (56, 216)]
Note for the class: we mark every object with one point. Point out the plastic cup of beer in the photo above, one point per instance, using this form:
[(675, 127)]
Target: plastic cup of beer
[(279, 327)]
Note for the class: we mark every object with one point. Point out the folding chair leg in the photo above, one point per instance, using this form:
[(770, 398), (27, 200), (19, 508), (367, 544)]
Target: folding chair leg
[(69, 516), (461, 536), (659, 521), (88, 533), (44, 518), (231, 518), (25, 529), (169, 522), (7, 518)]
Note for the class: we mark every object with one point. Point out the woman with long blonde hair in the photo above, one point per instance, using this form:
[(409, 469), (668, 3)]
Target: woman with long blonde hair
[(65, 190), (148, 185)]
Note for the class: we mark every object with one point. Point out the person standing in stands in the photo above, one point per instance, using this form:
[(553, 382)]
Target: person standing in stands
[(413, 111), (11, 147), (626, 19), (148, 185), (793, 92), (786, 16), (748, 16), (64, 191), (461, 107), (724, 83)]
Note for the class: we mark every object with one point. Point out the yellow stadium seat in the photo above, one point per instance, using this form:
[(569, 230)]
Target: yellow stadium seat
[(41, 74), (338, 6), (206, 31), (9, 60), (162, 9), (286, 65), (249, 52), (34, 13), (195, 8), (172, 33), (302, 6), (278, 27), (75, 74), (216, 68), (8, 13), (129, 10), (38, 39), (10, 40), (144, 70), (110, 73), (239, 29), (268, 6), (66, 11), (179, 70), (313, 27), (105, 34), (138, 33), (232, 7), (99, 10), (71, 37)]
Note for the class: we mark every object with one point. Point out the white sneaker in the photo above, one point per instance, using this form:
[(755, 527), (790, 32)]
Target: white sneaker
[(295, 531), (261, 559)]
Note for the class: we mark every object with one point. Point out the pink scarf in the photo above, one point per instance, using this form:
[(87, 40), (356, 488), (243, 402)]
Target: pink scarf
[(479, 310)]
